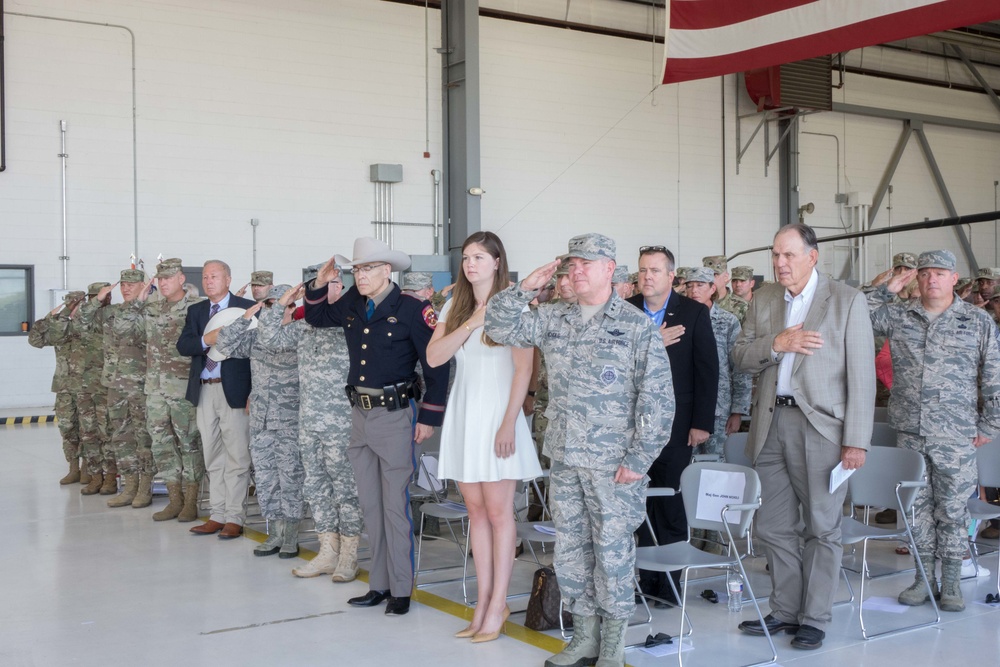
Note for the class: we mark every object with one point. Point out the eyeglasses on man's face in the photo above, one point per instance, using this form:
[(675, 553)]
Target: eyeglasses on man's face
[(367, 268)]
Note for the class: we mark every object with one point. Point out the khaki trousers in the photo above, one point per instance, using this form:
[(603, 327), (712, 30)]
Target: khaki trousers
[(225, 438)]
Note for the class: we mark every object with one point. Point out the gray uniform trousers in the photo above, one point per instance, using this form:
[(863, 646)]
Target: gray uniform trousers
[(277, 472), (794, 467), (382, 456)]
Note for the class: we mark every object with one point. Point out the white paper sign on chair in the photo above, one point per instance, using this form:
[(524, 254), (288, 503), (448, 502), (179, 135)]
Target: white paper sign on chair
[(717, 489)]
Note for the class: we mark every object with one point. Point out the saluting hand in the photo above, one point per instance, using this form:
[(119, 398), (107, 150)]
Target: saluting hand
[(57, 309), (882, 278), (902, 280), (292, 295), (328, 272), (538, 278), (243, 290), (252, 310), (146, 291)]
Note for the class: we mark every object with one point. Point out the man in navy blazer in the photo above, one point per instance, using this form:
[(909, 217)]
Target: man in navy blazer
[(219, 391), (686, 328)]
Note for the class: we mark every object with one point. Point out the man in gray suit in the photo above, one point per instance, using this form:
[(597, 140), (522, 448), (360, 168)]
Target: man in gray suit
[(810, 339)]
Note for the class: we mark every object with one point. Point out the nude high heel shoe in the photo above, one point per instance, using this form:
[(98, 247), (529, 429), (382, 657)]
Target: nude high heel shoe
[(481, 637)]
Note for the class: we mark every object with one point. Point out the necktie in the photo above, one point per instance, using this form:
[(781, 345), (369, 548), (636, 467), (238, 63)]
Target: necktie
[(371, 309), (210, 363)]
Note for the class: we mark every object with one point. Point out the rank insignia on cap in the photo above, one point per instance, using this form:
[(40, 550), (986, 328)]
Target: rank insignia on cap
[(430, 317), (608, 375)]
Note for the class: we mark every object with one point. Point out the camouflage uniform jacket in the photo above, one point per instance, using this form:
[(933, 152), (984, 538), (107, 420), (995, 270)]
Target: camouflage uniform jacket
[(611, 397), (89, 325), (124, 353), (99, 319), (734, 387), (55, 330), (938, 366), (735, 305), (274, 398), (159, 323), (323, 366)]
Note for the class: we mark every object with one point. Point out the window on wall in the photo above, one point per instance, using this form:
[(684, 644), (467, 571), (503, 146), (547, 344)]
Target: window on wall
[(17, 305)]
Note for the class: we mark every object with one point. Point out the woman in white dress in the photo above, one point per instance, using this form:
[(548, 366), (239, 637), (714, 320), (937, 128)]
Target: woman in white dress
[(486, 445)]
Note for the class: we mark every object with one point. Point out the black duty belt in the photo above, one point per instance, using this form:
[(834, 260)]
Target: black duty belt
[(393, 396), (787, 401)]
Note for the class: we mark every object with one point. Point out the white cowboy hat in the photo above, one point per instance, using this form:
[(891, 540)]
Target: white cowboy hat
[(221, 319), (368, 250)]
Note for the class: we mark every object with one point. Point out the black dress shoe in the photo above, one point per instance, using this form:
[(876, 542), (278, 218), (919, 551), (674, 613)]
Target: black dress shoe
[(808, 638), (369, 599), (773, 626), (397, 606)]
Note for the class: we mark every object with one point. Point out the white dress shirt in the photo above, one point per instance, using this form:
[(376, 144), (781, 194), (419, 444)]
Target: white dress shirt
[(215, 373), (796, 309)]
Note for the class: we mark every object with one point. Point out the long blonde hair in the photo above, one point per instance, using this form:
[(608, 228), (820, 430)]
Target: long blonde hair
[(463, 299)]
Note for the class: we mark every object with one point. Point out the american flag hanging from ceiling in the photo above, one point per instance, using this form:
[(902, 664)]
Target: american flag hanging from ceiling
[(708, 38)]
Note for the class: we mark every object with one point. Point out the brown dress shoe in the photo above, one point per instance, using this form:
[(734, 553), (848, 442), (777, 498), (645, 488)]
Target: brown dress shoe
[(208, 528), (231, 530)]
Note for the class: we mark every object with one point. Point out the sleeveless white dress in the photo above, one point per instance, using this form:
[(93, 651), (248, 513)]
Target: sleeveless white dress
[(476, 406)]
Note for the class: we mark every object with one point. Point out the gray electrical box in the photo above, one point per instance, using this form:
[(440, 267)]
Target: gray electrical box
[(386, 173)]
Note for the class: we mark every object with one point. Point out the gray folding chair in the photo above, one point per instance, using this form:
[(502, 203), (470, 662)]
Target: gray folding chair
[(734, 451), (684, 557), (890, 477), (988, 464), (881, 414), (883, 435)]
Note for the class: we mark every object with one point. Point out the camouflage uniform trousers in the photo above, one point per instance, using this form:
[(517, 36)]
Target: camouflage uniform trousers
[(69, 424), (941, 520), (330, 488), (277, 472), (129, 437), (95, 445), (595, 553), (175, 441)]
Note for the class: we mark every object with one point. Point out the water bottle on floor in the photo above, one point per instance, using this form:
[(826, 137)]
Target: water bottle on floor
[(734, 584)]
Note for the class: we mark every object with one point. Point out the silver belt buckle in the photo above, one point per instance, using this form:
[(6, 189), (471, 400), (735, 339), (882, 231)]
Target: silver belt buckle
[(365, 401)]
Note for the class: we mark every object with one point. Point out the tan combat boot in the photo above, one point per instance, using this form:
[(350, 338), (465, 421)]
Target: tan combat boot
[(130, 485), (325, 562), (290, 539), (916, 594), (73, 476), (96, 482), (84, 472), (347, 562), (612, 642), (584, 648), (144, 492), (110, 486), (190, 511), (951, 591), (175, 504)]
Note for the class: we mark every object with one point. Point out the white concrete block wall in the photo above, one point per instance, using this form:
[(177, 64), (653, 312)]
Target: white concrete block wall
[(254, 109)]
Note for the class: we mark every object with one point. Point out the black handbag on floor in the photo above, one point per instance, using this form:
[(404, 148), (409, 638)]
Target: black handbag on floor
[(543, 604)]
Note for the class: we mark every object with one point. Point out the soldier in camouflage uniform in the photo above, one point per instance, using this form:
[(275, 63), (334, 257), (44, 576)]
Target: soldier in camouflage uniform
[(125, 378), (274, 421), (92, 402), (727, 301), (324, 436), (173, 429), (611, 409), (54, 330), (743, 282), (945, 354)]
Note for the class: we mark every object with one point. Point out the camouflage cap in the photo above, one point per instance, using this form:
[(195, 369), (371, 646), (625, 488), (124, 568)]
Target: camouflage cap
[(277, 291), (563, 269), (168, 267), (417, 280), (94, 288), (700, 274), (717, 263), (133, 276), (742, 273), (261, 278), (937, 259), (906, 259), (963, 283), (591, 246), (620, 275), (72, 297), (633, 277), (988, 273), (682, 272)]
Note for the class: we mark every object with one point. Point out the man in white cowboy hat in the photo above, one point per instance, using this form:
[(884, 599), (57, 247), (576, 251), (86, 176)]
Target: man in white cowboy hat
[(387, 333)]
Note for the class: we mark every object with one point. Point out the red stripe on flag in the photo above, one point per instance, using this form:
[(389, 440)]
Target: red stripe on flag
[(705, 14), (900, 25)]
